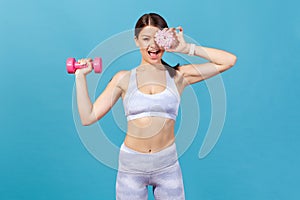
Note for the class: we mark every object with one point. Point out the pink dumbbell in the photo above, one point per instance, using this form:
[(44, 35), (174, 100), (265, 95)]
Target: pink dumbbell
[(72, 65)]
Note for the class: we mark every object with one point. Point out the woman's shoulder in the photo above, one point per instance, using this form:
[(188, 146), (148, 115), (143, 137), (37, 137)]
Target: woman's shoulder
[(122, 73), (122, 77)]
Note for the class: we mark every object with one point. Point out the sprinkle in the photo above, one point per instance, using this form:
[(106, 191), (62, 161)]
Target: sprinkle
[(164, 38)]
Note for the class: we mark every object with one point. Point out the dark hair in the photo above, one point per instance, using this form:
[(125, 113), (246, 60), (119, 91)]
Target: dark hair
[(152, 19)]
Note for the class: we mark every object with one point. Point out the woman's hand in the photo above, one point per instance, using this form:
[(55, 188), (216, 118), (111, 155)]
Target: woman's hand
[(84, 71), (179, 45)]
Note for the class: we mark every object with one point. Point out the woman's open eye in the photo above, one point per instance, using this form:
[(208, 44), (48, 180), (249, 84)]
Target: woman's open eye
[(145, 39)]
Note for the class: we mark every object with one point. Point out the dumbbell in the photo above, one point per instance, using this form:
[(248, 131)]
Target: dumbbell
[(72, 65)]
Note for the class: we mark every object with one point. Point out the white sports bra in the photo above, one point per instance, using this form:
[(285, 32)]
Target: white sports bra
[(138, 104)]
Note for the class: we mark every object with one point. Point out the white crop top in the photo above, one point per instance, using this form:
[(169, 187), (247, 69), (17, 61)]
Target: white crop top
[(138, 104)]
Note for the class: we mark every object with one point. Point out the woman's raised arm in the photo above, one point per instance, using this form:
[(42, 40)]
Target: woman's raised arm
[(90, 113), (220, 61)]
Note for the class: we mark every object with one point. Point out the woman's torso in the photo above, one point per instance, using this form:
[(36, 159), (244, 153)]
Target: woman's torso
[(154, 133)]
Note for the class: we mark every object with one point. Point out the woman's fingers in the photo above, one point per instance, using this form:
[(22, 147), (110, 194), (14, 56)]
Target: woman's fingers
[(84, 61), (88, 68), (178, 45), (172, 29), (89, 63), (179, 28)]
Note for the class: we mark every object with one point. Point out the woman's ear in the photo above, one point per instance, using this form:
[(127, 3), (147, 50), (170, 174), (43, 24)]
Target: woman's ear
[(136, 41)]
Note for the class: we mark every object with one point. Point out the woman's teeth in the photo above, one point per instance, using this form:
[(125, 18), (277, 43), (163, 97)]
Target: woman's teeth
[(153, 53)]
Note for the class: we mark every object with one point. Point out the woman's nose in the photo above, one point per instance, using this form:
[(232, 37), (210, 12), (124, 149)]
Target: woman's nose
[(153, 43)]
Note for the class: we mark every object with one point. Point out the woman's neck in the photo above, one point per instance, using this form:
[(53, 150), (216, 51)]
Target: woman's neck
[(151, 67)]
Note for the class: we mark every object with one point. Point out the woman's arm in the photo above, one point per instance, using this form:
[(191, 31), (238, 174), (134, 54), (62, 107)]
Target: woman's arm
[(220, 61), (90, 113)]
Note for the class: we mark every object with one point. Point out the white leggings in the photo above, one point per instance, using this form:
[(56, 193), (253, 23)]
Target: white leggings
[(139, 170)]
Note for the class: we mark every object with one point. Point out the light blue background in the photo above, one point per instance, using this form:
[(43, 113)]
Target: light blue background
[(257, 156)]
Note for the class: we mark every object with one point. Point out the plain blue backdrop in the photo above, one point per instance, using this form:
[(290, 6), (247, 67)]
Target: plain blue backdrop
[(257, 155)]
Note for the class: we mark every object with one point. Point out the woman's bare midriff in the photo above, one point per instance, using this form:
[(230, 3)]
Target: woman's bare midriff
[(150, 134)]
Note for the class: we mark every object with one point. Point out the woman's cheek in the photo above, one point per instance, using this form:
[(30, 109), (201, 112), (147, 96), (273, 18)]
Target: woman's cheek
[(145, 44)]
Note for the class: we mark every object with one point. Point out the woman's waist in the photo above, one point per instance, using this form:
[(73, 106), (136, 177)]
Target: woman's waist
[(136, 162), (152, 144)]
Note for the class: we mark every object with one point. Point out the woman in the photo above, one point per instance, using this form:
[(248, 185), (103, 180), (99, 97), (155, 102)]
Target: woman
[(151, 96)]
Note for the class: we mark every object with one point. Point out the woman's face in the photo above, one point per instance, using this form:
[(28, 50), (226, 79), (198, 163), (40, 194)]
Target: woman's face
[(151, 52)]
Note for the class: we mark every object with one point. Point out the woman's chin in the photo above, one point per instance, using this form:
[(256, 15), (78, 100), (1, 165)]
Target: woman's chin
[(154, 61)]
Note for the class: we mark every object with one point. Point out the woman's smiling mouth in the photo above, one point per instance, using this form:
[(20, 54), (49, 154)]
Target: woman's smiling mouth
[(154, 54)]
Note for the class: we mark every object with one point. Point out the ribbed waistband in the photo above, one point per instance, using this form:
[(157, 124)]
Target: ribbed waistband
[(136, 162)]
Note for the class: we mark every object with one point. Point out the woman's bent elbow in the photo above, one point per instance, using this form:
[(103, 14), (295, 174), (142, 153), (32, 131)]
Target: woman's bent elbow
[(87, 122), (229, 64), (233, 60)]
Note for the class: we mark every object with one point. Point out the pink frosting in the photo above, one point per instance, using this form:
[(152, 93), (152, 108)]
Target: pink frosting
[(164, 38)]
